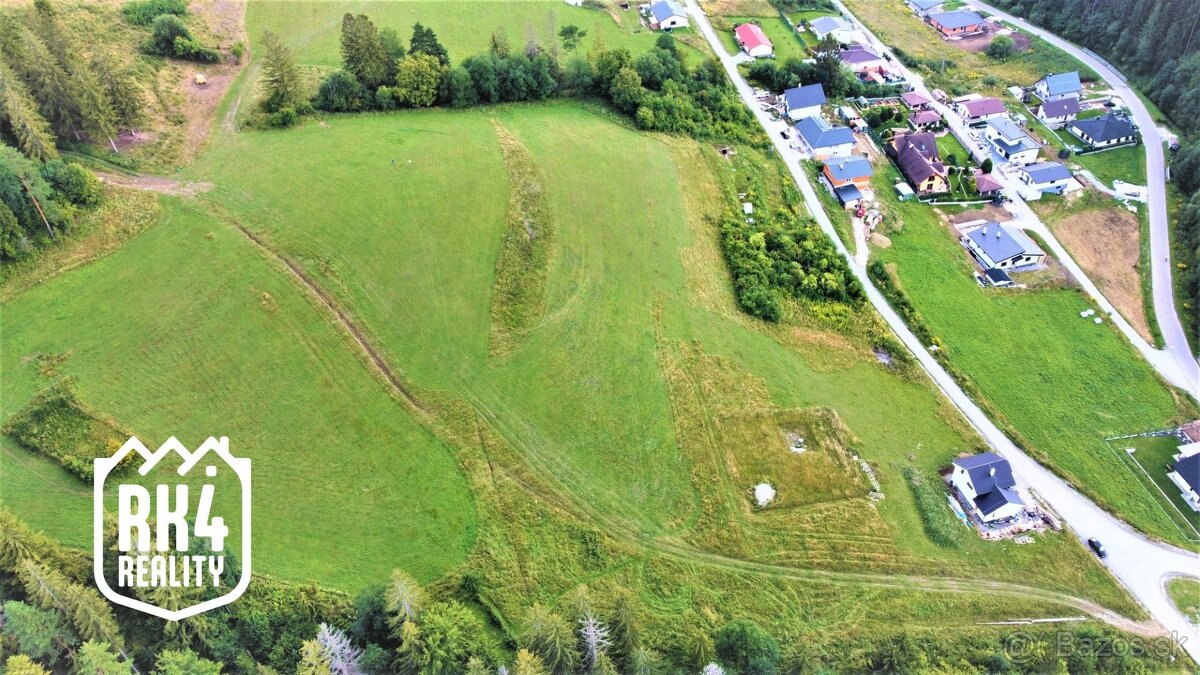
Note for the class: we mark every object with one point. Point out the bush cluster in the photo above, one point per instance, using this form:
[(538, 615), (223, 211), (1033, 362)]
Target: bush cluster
[(143, 12)]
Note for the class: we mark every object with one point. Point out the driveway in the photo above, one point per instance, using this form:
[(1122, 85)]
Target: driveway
[(1141, 564)]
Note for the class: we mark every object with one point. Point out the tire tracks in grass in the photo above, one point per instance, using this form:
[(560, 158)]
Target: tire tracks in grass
[(546, 488)]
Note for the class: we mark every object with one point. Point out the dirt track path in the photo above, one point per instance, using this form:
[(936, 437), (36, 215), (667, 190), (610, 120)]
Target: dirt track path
[(159, 184)]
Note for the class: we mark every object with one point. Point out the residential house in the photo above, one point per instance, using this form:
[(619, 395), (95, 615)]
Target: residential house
[(1046, 176), (842, 30), (987, 185), (1056, 86), (924, 8), (1011, 142), (850, 178), (998, 278), (979, 110), (666, 14), (956, 23), (915, 101), (1185, 474), (824, 140), (1056, 113), (862, 59), (986, 482), (1108, 130), (751, 38), (925, 120), (1002, 246), (917, 157), (806, 101)]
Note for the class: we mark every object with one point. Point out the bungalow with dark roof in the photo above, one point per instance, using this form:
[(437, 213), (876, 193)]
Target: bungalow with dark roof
[(925, 7), (1108, 130), (917, 157), (1002, 246), (1011, 142), (979, 110), (751, 38), (915, 101), (1046, 176), (806, 101), (924, 120), (1055, 86), (987, 185), (860, 58), (956, 23), (825, 140), (986, 482), (1055, 114), (1185, 474), (667, 14)]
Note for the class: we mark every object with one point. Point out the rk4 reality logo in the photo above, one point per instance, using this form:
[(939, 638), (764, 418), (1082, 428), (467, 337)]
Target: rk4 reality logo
[(172, 557)]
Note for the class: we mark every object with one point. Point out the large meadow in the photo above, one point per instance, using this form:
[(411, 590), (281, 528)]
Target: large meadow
[(613, 443)]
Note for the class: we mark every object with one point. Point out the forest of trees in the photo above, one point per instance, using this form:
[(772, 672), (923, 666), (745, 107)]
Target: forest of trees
[(1157, 45)]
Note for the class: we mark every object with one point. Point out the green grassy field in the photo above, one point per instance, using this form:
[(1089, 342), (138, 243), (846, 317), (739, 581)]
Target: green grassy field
[(212, 340), (1150, 462), (1062, 382), (1186, 594), (614, 445), (313, 28)]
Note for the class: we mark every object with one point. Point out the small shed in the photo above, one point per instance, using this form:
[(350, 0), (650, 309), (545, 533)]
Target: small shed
[(904, 192)]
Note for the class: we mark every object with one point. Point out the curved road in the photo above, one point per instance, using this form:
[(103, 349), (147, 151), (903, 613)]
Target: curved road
[(1175, 341), (1141, 564)]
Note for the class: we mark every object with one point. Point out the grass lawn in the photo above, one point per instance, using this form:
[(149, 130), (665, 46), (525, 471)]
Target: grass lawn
[(223, 344), (1150, 461), (1127, 164), (1186, 594), (948, 145), (787, 42), (1063, 383)]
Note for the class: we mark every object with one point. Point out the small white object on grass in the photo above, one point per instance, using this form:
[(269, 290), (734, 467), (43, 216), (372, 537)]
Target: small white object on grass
[(1098, 320), (764, 494)]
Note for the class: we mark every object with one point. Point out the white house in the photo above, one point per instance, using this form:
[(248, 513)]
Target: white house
[(824, 140), (751, 38), (986, 482), (1046, 176), (924, 8), (1185, 474), (667, 14), (806, 101), (1002, 246), (1106, 131), (1057, 113), (1011, 142), (1056, 86), (841, 30)]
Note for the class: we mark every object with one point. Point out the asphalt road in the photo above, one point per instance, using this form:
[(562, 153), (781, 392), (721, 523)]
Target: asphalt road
[(1176, 345), (1141, 564)]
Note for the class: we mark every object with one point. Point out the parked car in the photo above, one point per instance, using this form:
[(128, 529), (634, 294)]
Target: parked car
[(1096, 546), (785, 134)]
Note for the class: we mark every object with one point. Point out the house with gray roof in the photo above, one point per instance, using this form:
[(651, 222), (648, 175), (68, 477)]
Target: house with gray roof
[(1046, 176), (667, 14), (959, 22), (806, 101), (924, 8), (1002, 246), (1185, 474), (840, 29), (825, 140), (986, 483), (1056, 113), (1106, 131), (1061, 85), (1011, 142)]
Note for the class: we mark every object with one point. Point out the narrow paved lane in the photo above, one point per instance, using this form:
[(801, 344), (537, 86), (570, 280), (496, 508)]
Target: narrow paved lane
[(1176, 344), (1141, 564)]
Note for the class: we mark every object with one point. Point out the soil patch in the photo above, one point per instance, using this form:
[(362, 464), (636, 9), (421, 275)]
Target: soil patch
[(166, 186), (224, 21), (1106, 244), (989, 212), (979, 42)]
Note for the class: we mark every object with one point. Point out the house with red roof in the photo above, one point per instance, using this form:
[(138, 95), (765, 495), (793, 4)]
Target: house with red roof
[(751, 38)]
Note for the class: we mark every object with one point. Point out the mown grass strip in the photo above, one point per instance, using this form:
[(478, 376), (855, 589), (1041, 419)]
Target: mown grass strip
[(519, 291)]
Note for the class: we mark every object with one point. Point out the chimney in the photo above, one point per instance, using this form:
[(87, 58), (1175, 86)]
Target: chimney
[(997, 232), (992, 471), (985, 230)]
